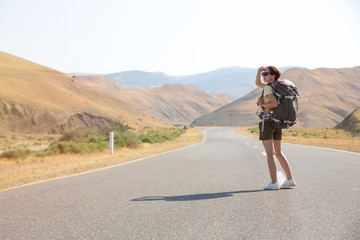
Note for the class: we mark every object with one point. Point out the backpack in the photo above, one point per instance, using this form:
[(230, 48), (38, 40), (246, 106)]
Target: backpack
[(284, 115)]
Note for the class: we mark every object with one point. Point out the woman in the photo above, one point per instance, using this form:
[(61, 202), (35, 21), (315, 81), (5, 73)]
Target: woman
[(270, 136)]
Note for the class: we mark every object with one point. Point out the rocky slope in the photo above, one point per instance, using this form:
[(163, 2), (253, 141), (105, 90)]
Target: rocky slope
[(351, 123)]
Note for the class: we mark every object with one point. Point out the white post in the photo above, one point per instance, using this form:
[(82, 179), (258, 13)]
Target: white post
[(111, 142)]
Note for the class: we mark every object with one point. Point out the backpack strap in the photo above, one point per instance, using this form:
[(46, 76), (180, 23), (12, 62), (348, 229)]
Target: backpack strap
[(273, 85), (285, 121), (289, 97), (264, 116)]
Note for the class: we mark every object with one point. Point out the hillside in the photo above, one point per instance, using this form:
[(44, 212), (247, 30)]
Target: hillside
[(351, 123), (223, 98), (172, 103), (175, 103), (99, 82), (327, 96), (37, 99)]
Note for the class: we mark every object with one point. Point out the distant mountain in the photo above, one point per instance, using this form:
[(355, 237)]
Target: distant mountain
[(327, 95), (176, 104), (232, 81), (37, 99), (140, 79)]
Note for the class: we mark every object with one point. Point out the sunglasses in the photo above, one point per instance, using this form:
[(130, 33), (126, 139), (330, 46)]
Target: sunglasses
[(265, 73)]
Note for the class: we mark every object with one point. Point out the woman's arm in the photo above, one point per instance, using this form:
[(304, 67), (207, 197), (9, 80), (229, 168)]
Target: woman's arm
[(273, 103), (258, 78)]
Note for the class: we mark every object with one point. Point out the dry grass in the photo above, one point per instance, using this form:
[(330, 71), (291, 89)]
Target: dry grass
[(321, 137), (14, 173)]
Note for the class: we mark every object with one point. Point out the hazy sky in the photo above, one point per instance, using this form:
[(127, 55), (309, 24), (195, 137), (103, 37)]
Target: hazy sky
[(180, 37)]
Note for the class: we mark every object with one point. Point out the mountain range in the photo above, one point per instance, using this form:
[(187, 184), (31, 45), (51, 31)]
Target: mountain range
[(175, 104), (36, 99), (232, 81)]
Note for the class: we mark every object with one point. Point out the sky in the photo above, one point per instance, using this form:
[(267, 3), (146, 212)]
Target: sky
[(180, 37)]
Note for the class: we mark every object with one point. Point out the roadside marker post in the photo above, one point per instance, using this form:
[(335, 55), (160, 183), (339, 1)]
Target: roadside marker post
[(185, 128), (111, 142)]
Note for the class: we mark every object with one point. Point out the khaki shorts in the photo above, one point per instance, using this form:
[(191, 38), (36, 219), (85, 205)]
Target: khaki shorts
[(269, 132)]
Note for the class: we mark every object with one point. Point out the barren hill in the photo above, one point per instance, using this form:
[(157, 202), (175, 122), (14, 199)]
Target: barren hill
[(172, 103), (37, 99), (327, 95), (175, 103), (351, 123)]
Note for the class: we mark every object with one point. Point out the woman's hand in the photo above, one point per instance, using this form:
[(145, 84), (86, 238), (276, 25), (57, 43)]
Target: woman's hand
[(271, 104), (261, 69), (258, 77)]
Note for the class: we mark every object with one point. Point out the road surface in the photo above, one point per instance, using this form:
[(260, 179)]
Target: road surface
[(211, 190)]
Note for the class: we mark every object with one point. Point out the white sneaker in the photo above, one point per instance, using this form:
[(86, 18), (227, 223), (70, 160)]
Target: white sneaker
[(272, 186), (289, 183)]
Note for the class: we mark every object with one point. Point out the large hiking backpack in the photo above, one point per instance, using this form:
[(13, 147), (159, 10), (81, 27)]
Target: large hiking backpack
[(284, 115)]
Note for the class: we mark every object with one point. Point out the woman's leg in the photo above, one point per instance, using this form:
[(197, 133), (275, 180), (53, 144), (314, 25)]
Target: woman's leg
[(282, 159), (269, 148)]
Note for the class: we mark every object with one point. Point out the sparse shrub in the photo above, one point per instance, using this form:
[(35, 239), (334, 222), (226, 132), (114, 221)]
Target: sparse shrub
[(77, 135), (295, 134), (126, 139), (41, 154), (254, 130), (160, 136), (16, 154), (76, 148)]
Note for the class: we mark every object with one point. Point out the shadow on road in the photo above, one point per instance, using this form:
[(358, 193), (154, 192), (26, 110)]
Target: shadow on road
[(193, 197)]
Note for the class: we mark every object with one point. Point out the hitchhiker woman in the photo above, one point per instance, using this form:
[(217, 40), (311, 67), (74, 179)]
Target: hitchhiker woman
[(270, 136)]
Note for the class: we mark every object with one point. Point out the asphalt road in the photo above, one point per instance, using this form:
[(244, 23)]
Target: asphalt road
[(211, 190)]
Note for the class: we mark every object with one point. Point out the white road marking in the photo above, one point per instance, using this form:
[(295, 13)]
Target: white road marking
[(263, 153)]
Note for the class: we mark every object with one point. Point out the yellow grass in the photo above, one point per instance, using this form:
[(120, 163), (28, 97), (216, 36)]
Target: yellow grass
[(13, 173), (321, 137)]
